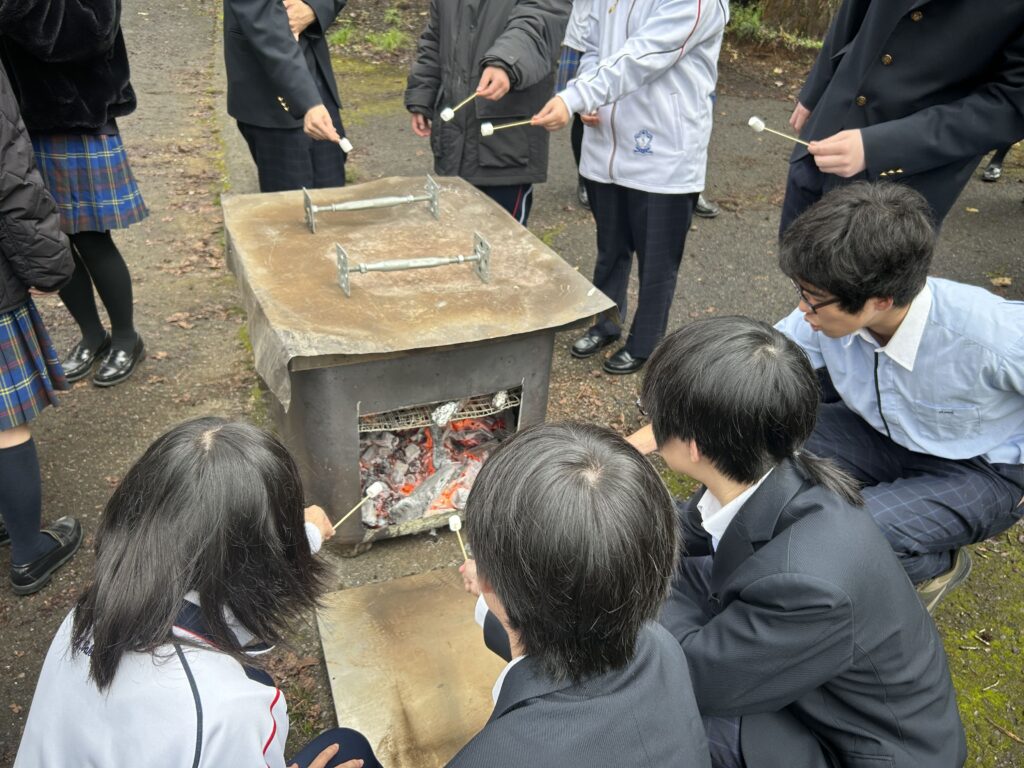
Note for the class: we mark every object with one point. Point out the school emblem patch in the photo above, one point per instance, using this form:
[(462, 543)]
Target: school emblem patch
[(643, 139)]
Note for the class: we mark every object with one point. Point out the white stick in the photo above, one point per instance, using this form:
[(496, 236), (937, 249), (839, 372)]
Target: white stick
[(455, 524), (511, 125), (449, 112), (373, 490), (758, 125)]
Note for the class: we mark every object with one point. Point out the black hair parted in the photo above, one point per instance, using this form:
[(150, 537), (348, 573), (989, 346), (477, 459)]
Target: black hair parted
[(744, 393), (212, 506), (577, 535), (861, 241)]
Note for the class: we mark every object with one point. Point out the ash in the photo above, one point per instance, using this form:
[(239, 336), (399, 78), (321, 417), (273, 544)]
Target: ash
[(427, 471)]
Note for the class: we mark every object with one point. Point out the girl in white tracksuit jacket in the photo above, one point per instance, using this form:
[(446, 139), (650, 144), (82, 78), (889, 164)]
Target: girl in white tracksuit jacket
[(201, 553), (644, 87)]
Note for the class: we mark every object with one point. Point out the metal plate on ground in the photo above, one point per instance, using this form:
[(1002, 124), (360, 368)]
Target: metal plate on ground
[(299, 318), (408, 666)]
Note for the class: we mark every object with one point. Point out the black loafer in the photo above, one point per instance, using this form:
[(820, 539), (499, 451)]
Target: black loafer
[(705, 208), (993, 172), (590, 344), (622, 363), (118, 365), (581, 193), (31, 577), (79, 361)]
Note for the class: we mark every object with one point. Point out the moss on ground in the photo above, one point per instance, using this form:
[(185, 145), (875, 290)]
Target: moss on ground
[(981, 626), (369, 89)]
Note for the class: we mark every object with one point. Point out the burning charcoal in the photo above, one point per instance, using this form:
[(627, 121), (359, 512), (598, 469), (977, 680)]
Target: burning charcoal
[(398, 472), (412, 451)]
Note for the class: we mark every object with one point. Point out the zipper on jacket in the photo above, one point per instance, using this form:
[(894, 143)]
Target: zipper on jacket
[(615, 141), (878, 397)]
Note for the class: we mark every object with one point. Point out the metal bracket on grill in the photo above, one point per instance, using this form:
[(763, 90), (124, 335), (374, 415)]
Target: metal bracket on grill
[(431, 195), (481, 260)]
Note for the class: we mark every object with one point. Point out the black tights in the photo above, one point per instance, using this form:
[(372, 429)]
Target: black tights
[(99, 263)]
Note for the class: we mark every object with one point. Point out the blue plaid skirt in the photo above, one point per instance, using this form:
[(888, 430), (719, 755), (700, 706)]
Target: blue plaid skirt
[(89, 177), (568, 65), (30, 371)]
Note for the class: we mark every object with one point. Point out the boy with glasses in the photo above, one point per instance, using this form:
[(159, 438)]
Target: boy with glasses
[(928, 403)]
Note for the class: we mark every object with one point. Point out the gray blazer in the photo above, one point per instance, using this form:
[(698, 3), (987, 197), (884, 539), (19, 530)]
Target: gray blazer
[(814, 636), (933, 84), (273, 80), (643, 715)]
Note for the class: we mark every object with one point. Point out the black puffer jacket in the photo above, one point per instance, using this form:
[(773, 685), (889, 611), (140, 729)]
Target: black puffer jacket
[(34, 253), (523, 37), (67, 62)]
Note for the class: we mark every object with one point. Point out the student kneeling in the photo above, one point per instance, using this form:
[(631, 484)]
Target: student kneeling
[(807, 644), (575, 541)]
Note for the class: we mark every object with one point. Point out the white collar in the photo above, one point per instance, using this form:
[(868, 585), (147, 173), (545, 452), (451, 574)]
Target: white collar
[(715, 518), (902, 347), (496, 690)]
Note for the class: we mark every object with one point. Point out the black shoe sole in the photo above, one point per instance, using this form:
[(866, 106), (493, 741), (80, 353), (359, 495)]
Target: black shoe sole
[(618, 372), (42, 581)]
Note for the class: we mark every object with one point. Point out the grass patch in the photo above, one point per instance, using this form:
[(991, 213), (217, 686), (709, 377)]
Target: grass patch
[(369, 89), (389, 41), (745, 23), (548, 235), (343, 36)]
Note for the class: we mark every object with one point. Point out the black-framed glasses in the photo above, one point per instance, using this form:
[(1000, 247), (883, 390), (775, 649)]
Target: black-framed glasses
[(640, 407), (810, 304)]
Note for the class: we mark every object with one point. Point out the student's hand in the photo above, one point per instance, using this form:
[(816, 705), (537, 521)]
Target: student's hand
[(318, 125), (300, 16), (324, 758), (591, 119), (841, 154), (469, 580), (318, 517), (799, 117), (420, 125), (554, 115), (494, 83), (37, 292)]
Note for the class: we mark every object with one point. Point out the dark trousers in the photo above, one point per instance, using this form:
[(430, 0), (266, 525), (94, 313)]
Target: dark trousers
[(654, 226), (693, 578), (352, 746), (286, 158), (517, 199), (927, 507), (804, 187)]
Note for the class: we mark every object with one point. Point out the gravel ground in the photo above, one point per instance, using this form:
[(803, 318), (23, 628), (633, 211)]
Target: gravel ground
[(185, 152)]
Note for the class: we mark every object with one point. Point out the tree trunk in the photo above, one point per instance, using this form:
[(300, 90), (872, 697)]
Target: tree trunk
[(804, 18)]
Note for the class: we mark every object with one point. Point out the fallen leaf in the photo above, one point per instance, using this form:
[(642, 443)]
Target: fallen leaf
[(16, 708), (972, 210), (1002, 282)]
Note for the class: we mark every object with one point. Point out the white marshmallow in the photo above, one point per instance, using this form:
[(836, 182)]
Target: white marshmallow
[(345, 144), (447, 114), (486, 129), (756, 123), (375, 489), (455, 523)]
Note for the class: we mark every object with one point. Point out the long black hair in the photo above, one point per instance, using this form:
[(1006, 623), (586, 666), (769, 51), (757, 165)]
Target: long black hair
[(744, 393), (212, 506), (577, 535)]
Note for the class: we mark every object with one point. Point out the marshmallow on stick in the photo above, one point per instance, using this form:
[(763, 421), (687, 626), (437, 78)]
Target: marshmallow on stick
[(449, 112), (374, 490), (488, 129), (455, 524), (345, 144), (758, 125)]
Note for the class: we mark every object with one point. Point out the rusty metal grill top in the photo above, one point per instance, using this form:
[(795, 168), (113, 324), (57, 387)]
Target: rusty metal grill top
[(418, 416), (299, 318)]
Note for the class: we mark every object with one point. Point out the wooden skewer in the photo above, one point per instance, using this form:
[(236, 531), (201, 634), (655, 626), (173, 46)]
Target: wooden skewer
[(455, 524), (372, 491), (787, 136), (758, 125)]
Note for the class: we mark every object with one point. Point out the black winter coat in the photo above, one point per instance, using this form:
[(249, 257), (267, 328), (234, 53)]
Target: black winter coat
[(67, 63), (524, 38), (33, 251)]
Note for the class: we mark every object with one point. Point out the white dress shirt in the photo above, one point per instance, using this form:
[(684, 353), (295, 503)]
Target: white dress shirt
[(715, 517)]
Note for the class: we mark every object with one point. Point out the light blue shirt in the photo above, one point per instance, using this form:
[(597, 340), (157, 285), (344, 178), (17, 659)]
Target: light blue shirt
[(949, 383)]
